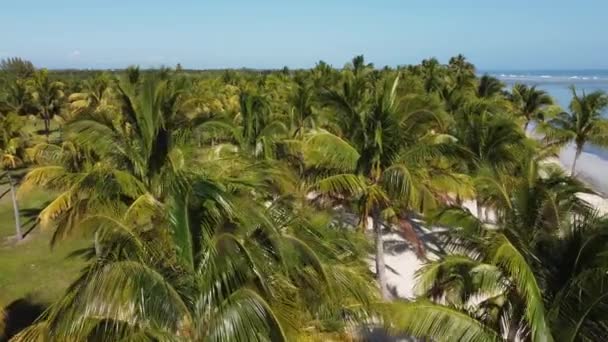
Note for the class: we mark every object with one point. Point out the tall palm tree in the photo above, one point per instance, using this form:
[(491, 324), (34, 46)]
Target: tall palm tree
[(323, 75), (17, 98), (48, 96), (489, 87), (135, 152), (529, 102), (503, 280), (584, 124), (575, 274), (462, 72), (253, 273), (359, 67), (93, 96), (386, 164), (488, 137), (433, 75), (258, 129), (17, 67), (12, 149), (302, 114)]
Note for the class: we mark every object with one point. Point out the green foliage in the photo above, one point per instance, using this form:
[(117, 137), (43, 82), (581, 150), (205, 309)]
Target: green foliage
[(223, 205), (17, 67)]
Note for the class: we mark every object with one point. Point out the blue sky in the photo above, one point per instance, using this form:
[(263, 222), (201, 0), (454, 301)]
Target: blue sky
[(514, 34)]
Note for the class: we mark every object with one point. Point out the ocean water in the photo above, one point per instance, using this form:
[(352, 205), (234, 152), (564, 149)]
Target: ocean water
[(557, 83)]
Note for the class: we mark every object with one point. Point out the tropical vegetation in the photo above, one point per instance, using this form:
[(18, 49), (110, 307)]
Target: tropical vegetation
[(248, 205)]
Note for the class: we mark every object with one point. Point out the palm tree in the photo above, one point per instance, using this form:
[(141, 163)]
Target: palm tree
[(584, 124), (488, 137), (386, 163), (258, 128), (490, 283), (248, 276), (93, 96), (529, 102), (128, 155), (133, 74), (302, 114), (17, 98), (462, 72), (17, 67), (489, 87), (359, 67), (48, 96), (12, 142), (323, 75), (575, 274), (433, 75)]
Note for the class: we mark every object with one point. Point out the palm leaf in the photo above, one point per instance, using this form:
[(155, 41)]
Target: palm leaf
[(515, 265), (427, 320)]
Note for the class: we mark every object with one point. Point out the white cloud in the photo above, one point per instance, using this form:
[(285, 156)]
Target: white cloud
[(75, 54)]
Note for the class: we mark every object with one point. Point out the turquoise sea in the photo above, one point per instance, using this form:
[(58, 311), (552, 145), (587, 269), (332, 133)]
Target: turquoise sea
[(558, 83)]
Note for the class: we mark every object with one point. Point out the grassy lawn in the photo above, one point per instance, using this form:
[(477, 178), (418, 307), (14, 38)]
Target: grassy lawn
[(31, 267)]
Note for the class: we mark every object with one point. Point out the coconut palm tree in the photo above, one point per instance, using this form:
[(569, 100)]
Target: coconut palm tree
[(130, 154), (12, 148), (433, 74), (17, 67), (302, 114), (462, 72), (359, 67), (48, 97), (323, 75), (489, 138), (489, 87), (258, 129), (17, 98), (584, 124), (575, 274), (249, 276), (529, 103), (494, 279), (94, 95), (385, 163)]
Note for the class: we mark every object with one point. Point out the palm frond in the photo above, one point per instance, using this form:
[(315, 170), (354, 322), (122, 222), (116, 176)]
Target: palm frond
[(427, 320)]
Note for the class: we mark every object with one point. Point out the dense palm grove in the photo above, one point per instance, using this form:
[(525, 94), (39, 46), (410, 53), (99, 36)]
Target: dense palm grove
[(244, 205)]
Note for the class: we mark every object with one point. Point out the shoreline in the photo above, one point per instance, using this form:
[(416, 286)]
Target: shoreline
[(590, 169)]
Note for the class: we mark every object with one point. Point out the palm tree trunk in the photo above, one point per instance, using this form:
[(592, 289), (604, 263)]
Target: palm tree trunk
[(47, 130), (97, 244), (579, 149), (526, 126), (479, 209), (47, 123), (18, 231), (380, 264)]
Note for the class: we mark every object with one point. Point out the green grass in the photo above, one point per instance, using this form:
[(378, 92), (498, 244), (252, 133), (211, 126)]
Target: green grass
[(31, 267)]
